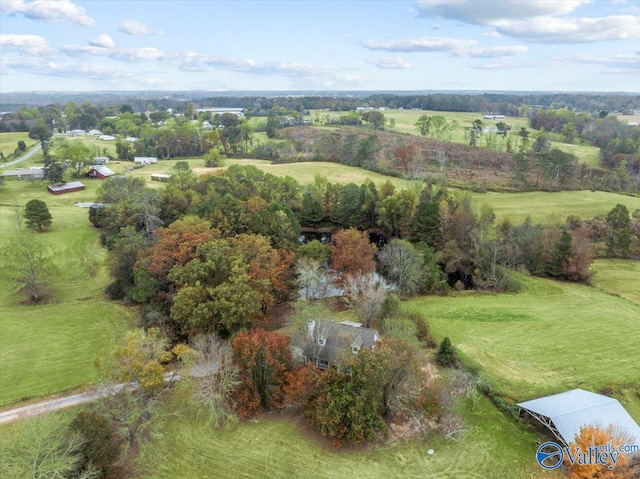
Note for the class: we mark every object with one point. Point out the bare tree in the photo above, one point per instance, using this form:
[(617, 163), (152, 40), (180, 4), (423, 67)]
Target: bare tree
[(216, 376), (313, 279), (366, 293)]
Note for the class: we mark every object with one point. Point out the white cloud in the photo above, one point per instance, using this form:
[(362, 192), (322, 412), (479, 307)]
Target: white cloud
[(488, 11), (48, 11), (424, 44), (26, 44), (493, 34), (132, 55), (492, 52), (133, 27), (74, 71), (619, 61), (103, 41), (572, 30), (502, 66), (148, 54), (396, 63), (540, 21)]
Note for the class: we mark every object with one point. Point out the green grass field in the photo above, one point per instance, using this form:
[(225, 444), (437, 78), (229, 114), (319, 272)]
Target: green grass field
[(9, 141), (492, 447), (49, 348), (548, 208), (550, 337), (617, 276)]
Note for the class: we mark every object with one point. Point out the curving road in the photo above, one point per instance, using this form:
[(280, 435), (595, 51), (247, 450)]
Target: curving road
[(24, 157)]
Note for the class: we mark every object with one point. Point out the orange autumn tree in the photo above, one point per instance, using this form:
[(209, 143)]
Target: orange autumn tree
[(271, 270), (596, 435), (351, 254), (264, 361)]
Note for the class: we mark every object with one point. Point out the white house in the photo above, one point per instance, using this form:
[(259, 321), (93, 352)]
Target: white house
[(145, 160), (107, 137)]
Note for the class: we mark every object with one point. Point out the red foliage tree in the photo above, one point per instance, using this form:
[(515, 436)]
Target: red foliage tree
[(264, 360), (177, 243), (351, 254)]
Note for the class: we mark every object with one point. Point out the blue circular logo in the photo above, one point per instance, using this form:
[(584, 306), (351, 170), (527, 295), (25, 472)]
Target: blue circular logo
[(549, 455)]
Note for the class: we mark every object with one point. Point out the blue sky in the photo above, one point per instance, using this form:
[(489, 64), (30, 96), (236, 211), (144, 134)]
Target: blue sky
[(555, 45)]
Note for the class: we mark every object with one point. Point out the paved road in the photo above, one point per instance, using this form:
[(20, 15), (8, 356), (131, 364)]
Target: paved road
[(24, 157)]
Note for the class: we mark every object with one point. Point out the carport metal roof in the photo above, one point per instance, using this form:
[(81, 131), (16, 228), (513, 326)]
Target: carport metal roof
[(565, 413)]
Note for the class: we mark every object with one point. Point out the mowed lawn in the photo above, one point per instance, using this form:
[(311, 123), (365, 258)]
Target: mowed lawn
[(550, 337), (548, 208), (493, 446), (618, 276), (9, 141), (48, 348)]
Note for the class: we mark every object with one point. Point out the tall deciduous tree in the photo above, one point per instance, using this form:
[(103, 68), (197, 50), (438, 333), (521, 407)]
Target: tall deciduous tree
[(351, 253), (264, 359), (28, 263), (620, 237), (402, 265), (37, 215), (141, 359)]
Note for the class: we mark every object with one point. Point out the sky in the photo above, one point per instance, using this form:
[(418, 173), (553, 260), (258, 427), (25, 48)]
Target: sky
[(521, 45)]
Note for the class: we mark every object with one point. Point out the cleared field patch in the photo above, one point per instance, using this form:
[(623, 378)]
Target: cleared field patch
[(492, 447), (587, 154), (9, 141), (51, 347), (548, 338), (618, 276), (549, 208)]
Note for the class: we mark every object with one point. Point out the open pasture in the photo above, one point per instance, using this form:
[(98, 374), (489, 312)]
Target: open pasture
[(550, 337), (548, 208), (9, 141), (619, 277), (493, 446), (48, 348)]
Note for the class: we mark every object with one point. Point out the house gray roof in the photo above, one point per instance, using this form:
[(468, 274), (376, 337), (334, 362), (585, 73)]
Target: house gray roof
[(565, 413), (327, 340), (34, 172)]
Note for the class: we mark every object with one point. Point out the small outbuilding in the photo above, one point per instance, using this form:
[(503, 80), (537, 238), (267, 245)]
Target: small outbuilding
[(66, 188), (565, 413), (145, 160), (101, 160), (100, 172), (328, 341), (163, 177), (22, 173)]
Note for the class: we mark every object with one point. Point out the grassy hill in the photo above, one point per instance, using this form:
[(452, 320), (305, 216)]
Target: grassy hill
[(550, 337), (48, 348)]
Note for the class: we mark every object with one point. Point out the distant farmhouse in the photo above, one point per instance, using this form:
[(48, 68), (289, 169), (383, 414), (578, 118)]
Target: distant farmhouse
[(107, 137), (101, 161), (221, 111), (100, 172), (66, 188), (145, 160), (22, 173), (494, 117), (328, 341)]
